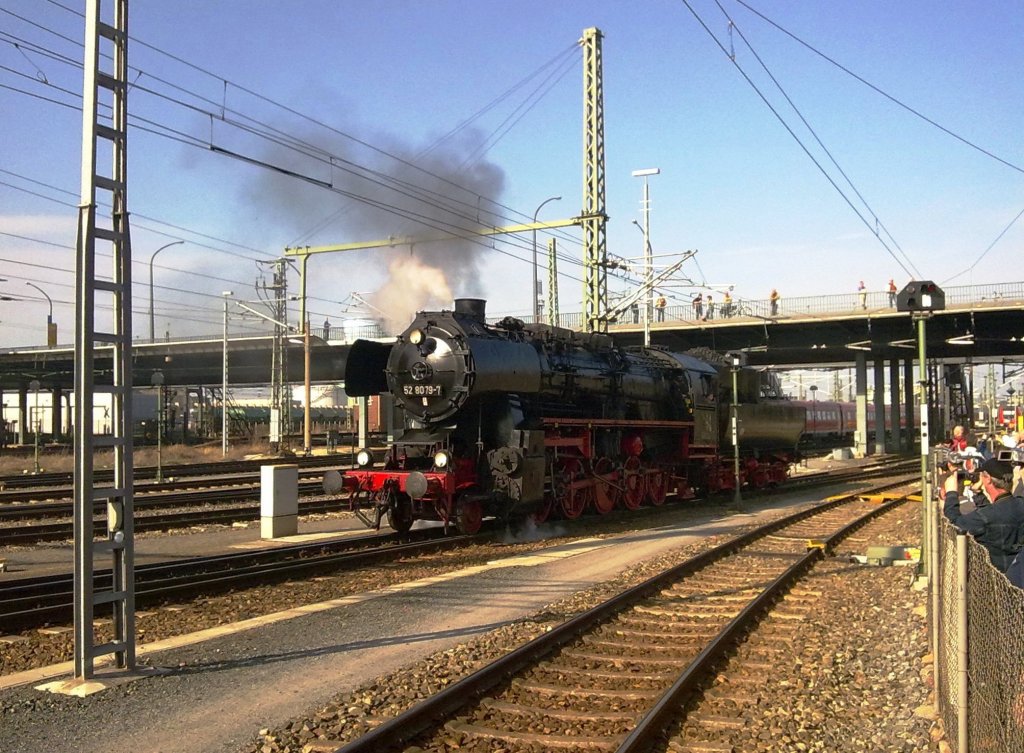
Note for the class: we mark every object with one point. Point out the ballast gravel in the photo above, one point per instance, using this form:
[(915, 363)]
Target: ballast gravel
[(856, 679)]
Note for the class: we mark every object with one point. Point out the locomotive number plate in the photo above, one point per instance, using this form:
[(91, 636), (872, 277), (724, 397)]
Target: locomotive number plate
[(422, 390)]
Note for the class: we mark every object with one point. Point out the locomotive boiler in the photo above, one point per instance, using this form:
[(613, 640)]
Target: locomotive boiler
[(516, 420)]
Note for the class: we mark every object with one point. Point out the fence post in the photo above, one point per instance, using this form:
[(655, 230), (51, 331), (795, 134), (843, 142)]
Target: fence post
[(934, 573), (961, 640)]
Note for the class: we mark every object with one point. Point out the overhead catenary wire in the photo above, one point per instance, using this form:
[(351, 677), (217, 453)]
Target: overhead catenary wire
[(289, 142), (895, 100), (309, 149), (796, 138), (811, 130)]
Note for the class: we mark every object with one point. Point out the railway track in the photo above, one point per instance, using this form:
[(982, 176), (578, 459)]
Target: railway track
[(177, 470), (29, 603), (206, 497), (618, 676)]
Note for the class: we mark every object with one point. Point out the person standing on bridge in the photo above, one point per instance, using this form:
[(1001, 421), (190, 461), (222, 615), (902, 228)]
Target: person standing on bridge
[(698, 306), (892, 293), (327, 329), (727, 305), (711, 308), (773, 299), (659, 307), (862, 291)]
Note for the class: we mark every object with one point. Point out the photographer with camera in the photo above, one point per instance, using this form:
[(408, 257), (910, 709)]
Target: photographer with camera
[(999, 525)]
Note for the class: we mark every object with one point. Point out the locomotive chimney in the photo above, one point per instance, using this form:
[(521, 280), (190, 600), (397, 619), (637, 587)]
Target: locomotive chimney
[(475, 308)]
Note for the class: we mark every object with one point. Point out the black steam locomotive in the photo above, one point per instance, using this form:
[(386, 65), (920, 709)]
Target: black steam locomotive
[(517, 420)]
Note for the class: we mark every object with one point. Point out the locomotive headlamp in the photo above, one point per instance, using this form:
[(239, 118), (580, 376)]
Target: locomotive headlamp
[(441, 460), (363, 458), (416, 336)]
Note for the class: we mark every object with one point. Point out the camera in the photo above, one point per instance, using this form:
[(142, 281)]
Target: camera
[(1013, 455), (966, 463)]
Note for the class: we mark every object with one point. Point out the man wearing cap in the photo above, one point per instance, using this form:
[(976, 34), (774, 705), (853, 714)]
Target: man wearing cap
[(998, 526)]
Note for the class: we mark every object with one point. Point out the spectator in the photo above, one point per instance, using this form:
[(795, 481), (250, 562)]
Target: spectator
[(862, 291), (698, 306), (659, 306), (892, 293), (727, 305), (999, 526), (327, 329), (958, 442), (635, 309), (711, 308), (774, 300)]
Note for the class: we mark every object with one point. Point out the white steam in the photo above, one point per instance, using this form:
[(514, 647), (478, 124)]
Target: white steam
[(412, 286)]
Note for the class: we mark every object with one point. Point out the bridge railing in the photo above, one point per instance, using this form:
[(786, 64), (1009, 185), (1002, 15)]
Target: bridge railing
[(875, 301)]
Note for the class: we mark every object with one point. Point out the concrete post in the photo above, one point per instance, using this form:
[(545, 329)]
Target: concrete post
[(895, 444), (879, 406), (279, 501), (861, 434), (55, 424)]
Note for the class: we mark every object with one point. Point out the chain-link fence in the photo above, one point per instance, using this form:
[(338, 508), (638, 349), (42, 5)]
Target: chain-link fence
[(980, 647)]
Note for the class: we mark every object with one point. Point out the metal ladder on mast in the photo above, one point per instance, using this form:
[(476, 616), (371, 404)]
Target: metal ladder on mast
[(107, 134)]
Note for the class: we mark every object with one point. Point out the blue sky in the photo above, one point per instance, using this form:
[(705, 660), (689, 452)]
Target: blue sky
[(399, 76)]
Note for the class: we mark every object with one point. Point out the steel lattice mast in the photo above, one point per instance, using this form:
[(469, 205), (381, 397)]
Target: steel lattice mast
[(109, 137), (593, 218)]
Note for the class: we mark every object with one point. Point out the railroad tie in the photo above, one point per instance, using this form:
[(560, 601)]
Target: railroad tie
[(569, 742)]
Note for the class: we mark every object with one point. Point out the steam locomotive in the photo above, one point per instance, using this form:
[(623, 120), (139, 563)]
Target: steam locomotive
[(515, 420)]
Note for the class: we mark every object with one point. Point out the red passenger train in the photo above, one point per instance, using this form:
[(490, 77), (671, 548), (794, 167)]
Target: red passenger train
[(832, 421)]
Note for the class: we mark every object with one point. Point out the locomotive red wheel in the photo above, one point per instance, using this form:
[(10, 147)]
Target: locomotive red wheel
[(469, 516), (657, 486), (607, 491), (634, 486), (400, 515), (571, 500)]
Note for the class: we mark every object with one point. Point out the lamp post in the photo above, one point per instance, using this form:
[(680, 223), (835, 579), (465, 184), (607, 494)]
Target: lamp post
[(646, 174), (536, 291), (158, 381), (34, 386), (51, 329), (224, 382), (152, 327), (736, 481)]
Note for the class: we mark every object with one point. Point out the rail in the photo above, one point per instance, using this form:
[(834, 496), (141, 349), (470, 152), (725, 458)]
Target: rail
[(400, 730)]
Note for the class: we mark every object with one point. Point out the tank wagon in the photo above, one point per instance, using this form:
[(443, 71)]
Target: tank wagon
[(515, 421)]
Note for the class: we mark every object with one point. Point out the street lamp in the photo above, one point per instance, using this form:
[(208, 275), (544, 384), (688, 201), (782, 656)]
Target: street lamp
[(157, 381), (224, 382), (51, 329), (152, 327), (645, 174), (34, 386), (736, 481), (536, 290)]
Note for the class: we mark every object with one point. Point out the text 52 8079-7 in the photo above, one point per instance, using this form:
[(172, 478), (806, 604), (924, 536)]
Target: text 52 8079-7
[(422, 390)]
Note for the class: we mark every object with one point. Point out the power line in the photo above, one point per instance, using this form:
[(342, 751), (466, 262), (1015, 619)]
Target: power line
[(885, 94), (785, 94), (796, 138)]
